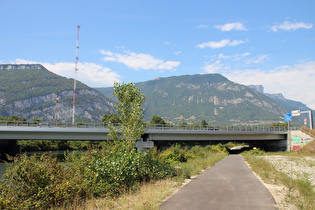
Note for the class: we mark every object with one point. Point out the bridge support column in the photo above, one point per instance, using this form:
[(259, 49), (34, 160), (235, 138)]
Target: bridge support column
[(142, 146), (9, 147), (144, 143), (289, 146)]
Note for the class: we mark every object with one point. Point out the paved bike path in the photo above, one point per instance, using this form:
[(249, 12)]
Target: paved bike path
[(229, 184)]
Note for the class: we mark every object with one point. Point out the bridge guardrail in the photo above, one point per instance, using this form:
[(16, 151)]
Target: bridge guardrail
[(219, 128), (148, 126)]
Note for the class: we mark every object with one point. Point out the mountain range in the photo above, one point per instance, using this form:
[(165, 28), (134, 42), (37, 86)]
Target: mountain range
[(30, 91), (210, 97), (289, 105)]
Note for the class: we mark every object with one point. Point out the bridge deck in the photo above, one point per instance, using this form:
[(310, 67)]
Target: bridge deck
[(154, 133)]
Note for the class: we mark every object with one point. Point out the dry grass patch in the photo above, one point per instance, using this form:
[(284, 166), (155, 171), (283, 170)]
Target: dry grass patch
[(148, 196), (307, 130)]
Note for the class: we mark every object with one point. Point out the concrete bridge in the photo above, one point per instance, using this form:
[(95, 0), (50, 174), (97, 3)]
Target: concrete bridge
[(268, 138)]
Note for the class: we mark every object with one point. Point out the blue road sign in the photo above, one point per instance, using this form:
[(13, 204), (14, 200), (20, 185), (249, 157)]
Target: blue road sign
[(288, 117)]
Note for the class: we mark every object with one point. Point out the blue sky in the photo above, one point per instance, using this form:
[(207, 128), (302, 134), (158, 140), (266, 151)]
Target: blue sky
[(250, 42)]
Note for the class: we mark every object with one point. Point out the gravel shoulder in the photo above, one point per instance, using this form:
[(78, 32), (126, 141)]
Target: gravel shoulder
[(296, 168)]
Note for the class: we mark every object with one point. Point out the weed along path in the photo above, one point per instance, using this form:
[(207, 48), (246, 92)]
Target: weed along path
[(229, 184)]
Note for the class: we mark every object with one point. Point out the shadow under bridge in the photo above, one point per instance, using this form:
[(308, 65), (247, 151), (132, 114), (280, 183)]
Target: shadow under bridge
[(268, 140)]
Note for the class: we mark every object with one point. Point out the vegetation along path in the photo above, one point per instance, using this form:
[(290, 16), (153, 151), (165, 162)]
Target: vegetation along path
[(229, 184)]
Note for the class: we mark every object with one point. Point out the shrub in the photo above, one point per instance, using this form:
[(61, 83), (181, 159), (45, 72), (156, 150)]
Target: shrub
[(254, 152), (32, 182), (36, 182), (174, 154), (229, 145), (115, 168), (216, 148), (44, 145), (197, 151)]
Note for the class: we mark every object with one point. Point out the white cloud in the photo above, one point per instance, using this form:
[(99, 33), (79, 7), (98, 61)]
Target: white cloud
[(294, 82), (237, 42), (139, 61), (287, 25), (222, 56), (231, 26), (257, 59), (92, 74), (245, 54), (202, 27), (22, 61), (213, 67), (177, 52), (220, 44), (235, 57), (238, 57)]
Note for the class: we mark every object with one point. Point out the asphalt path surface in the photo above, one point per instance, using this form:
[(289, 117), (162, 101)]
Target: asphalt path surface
[(229, 184)]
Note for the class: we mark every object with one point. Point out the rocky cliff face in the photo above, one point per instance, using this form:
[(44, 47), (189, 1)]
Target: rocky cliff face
[(30, 91), (45, 107)]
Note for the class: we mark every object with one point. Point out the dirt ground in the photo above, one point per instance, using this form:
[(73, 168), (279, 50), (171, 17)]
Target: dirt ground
[(296, 168)]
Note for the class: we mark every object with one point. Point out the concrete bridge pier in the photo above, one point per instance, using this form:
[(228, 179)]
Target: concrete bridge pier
[(9, 147), (144, 143)]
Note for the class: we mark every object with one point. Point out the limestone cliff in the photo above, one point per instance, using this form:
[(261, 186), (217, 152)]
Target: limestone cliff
[(30, 91)]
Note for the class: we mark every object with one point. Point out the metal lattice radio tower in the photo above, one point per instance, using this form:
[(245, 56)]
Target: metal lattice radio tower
[(75, 74)]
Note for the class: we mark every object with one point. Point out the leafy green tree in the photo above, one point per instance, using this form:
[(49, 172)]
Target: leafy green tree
[(157, 120), (81, 123), (183, 124), (36, 121), (130, 110), (12, 118), (111, 118), (204, 123), (279, 124)]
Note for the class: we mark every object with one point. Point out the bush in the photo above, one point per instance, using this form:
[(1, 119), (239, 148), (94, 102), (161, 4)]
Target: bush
[(44, 145), (115, 168), (254, 152), (32, 182), (216, 148), (229, 145), (174, 154), (198, 151)]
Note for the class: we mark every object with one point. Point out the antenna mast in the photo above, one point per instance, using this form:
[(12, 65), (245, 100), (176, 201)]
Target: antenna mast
[(57, 110), (75, 74)]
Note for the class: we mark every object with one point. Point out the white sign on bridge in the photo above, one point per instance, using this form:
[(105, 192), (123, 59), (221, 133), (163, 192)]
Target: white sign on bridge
[(296, 113)]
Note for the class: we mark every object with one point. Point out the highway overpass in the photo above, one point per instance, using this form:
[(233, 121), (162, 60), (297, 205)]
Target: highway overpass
[(259, 136)]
